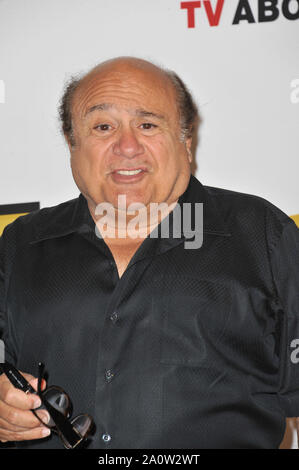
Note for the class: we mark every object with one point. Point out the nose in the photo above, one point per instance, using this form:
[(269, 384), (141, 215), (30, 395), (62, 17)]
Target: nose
[(127, 144)]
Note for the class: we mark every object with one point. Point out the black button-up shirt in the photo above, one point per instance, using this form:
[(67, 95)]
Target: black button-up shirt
[(190, 348)]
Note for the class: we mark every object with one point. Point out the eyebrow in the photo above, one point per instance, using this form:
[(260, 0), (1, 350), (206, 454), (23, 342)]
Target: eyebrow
[(98, 107), (143, 112), (138, 112)]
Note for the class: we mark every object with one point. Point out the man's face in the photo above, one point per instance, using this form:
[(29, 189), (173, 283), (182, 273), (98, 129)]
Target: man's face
[(127, 137)]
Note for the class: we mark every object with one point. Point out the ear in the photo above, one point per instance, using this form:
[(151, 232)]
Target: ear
[(68, 141), (188, 143)]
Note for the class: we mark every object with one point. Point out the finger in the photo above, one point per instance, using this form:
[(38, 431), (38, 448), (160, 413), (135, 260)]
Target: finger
[(36, 433), (5, 425), (22, 418), (28, 377), (17, 398), (33, 382), (44, 419)]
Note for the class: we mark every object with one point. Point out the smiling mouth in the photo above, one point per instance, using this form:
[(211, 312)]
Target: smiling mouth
[(125, 175), (128, 172)]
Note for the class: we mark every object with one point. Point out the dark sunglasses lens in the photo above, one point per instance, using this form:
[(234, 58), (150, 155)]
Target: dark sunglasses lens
[(82, 424), (59, 400)]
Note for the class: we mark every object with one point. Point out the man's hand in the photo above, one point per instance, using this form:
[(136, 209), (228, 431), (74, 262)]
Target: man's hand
[(17, 422)]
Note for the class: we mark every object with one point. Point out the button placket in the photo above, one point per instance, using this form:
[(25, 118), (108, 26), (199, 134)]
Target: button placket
[(109, 375), (114, 317), (106, 437), (110, 355)]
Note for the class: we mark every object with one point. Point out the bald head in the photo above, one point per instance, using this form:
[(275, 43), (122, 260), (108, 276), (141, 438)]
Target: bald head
[(123, 68), (126, 63)]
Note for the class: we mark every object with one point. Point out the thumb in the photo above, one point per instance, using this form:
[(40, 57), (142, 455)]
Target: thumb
[(34, 381)]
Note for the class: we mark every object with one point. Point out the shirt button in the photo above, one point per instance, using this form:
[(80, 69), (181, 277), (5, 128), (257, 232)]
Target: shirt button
[(114, 317), (106, 437), (109, 375)]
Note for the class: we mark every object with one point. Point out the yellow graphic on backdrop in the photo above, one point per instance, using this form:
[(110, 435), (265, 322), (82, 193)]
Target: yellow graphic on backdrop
[(10, 212), (7, 219), (296, 219)]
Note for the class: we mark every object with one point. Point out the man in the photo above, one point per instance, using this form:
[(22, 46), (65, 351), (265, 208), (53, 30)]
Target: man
[(165, 346)]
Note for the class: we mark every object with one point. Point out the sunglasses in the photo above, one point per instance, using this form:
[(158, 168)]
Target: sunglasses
[(56, 401)]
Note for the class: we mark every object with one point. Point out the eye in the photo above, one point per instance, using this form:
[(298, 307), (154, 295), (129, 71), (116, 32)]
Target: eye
[(103, 127), (148, 126)]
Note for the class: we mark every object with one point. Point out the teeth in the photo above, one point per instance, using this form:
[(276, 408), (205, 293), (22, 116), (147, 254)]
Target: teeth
[(128, 172)]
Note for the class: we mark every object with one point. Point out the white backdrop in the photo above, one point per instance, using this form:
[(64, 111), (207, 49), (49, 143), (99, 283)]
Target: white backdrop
[(245, 79)]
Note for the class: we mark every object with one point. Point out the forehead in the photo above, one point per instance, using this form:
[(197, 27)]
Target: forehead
[(128, 89)]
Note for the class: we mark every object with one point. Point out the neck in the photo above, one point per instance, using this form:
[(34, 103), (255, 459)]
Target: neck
[(130, 227)]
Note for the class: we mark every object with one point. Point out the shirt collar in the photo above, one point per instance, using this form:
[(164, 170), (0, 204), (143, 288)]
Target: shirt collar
[(74, 216), (213, 220), (64, 219)]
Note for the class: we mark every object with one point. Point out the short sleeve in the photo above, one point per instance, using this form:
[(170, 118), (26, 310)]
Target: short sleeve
[(285, 267), (2, 295), (4, 322)]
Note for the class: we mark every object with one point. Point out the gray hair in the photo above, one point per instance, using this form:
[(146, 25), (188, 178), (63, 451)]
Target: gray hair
[(186, 106)]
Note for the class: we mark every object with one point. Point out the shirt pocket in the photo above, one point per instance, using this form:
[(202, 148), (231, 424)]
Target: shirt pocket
[(194, 317)]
